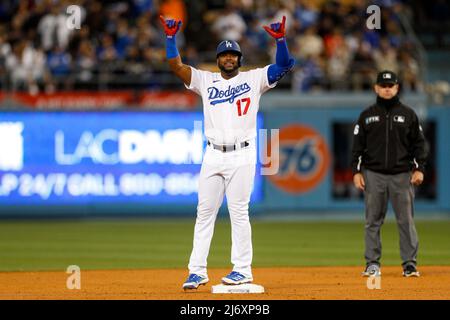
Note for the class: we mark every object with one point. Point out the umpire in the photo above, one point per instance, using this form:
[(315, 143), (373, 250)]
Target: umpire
[(389, 153)]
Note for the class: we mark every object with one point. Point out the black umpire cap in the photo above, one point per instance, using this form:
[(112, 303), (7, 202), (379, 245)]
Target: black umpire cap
[(387, 77)]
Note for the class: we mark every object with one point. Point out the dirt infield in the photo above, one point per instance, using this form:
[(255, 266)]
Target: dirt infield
[(280, 283)]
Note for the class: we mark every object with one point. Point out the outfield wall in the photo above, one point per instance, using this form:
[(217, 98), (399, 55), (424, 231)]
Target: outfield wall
[(325, 135), (145, 163)]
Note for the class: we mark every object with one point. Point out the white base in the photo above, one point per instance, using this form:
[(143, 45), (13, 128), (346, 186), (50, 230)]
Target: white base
[(240, 288)]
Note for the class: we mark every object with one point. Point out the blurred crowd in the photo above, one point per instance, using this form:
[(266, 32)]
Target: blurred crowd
[(121, 45), (333, 47)]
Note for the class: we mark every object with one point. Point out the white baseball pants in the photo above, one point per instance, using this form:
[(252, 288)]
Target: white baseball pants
[(231, 174)]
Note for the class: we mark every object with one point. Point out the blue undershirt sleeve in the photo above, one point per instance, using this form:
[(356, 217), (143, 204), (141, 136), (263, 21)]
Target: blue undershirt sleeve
[(171, 48), (282, 56), (284, 63)]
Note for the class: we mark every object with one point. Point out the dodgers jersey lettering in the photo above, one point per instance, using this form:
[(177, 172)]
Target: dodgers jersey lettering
[(230, 106)]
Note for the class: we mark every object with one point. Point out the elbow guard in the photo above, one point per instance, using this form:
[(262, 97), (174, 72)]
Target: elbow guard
[(276, 72)]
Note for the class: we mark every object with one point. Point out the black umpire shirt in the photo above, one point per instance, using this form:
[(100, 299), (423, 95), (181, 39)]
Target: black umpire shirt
[(388, 139)]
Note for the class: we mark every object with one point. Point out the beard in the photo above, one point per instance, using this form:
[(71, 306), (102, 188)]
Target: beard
[(228, 70)]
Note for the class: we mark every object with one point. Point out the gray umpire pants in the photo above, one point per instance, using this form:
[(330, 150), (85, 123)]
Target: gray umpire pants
[(380, 188)]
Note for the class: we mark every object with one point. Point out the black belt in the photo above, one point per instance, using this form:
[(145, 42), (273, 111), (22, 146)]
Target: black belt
[(228, 148)]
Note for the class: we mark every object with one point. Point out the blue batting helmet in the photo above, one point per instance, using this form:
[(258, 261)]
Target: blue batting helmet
[(229, 46)]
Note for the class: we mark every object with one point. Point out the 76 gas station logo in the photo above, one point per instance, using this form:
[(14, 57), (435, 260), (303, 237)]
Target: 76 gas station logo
[(301, 157), (304, 159)]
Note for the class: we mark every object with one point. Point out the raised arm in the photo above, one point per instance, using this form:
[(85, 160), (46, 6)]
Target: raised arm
[(181, 70), (284, 63)]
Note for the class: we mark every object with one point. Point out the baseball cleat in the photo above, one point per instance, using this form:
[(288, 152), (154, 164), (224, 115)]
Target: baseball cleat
[(411, 271), (372, 270), (235, 278), (194, 281)]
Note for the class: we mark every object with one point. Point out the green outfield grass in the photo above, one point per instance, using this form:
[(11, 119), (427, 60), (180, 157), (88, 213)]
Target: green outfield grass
[(128, 244)]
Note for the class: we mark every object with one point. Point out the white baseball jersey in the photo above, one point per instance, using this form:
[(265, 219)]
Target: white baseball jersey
[(230, 106)]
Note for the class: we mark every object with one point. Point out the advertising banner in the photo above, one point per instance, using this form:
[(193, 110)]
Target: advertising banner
[(64, 158), (102, 100), (315, 161), (75, 100)]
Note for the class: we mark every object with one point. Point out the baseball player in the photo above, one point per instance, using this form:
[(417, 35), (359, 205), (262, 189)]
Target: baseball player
[(389, 154), (230, 104)]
